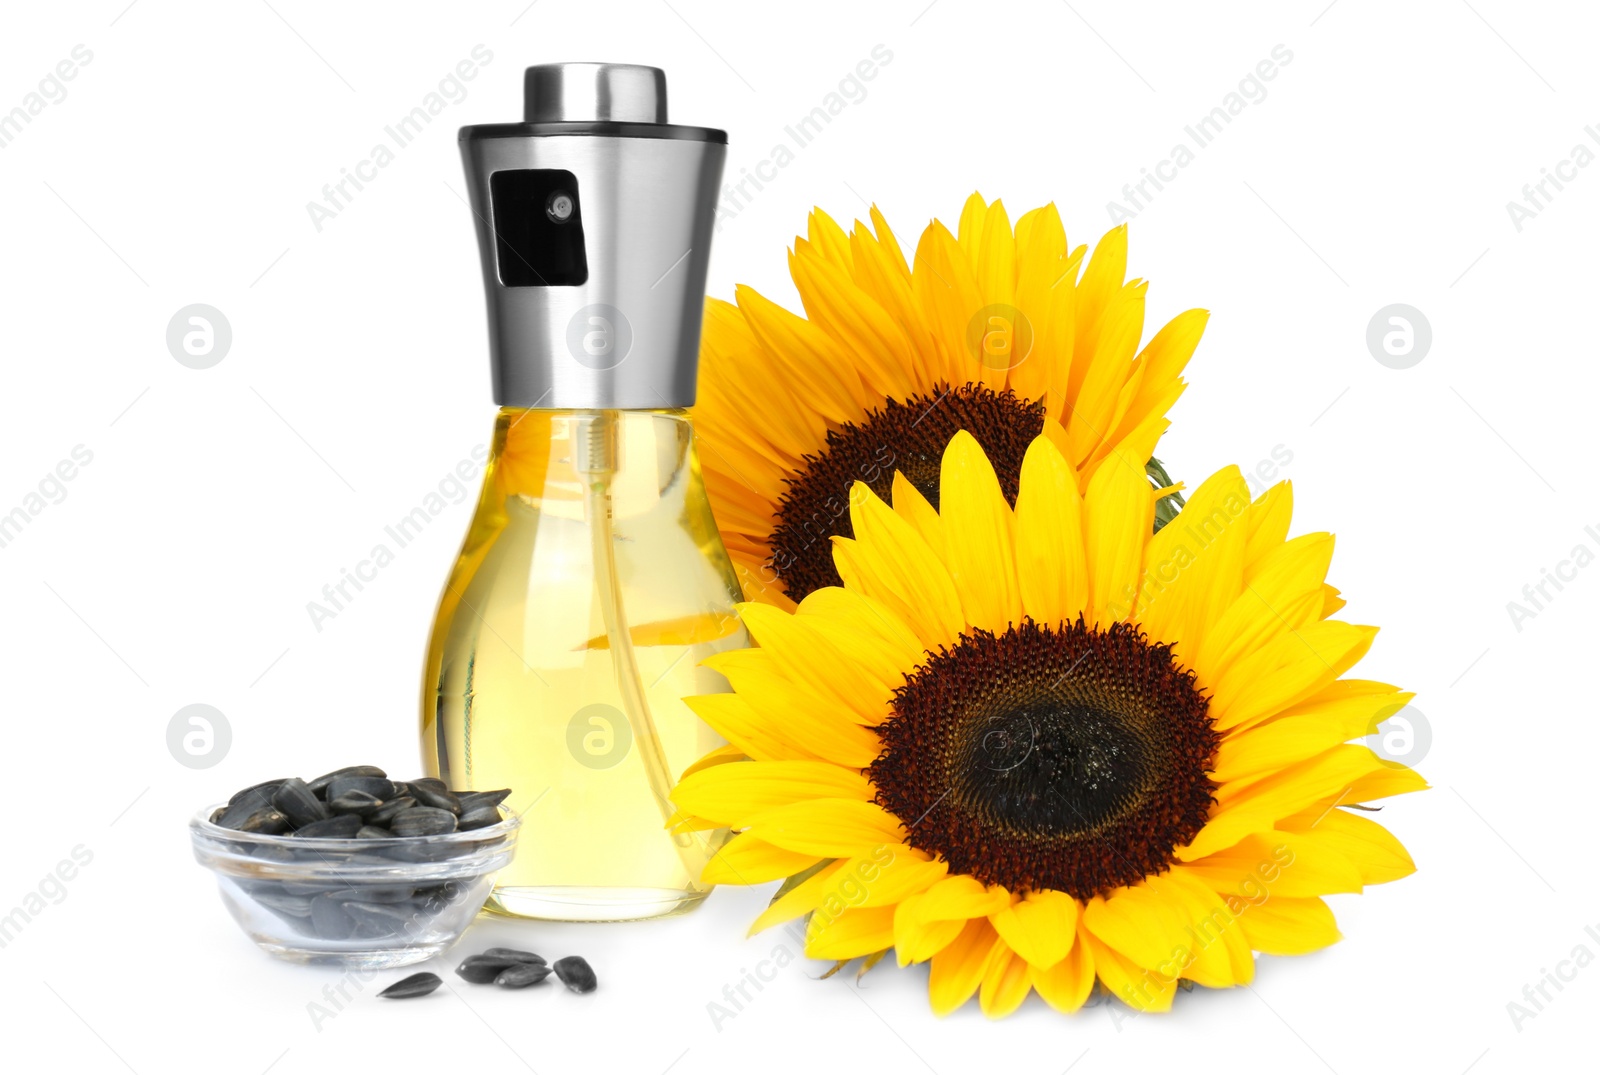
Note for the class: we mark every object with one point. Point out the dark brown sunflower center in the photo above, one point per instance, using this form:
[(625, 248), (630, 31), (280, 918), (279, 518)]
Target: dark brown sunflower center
[(1074, 759), (908, 436)]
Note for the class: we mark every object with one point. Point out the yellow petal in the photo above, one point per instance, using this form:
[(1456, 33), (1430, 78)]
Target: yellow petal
[(1283, 926), (957, 968), (1138, 921), (792, 713), (1219, 952), (748, 860), (963, 896), (720, 756), (1052, 575), (804, 653), (1327, 778), (1039, 928), (1285, 594), (858, 932), (830, 828), (1269, 524), (1372, 848), (1287, 671), (913, 507), (1141, 989), (733, 794), (733, 718), (1118, 514), (890, 561), (1282, 863), (918, 938), (1006, 983), (814, 363), (801, 899), (1302, 733), (977, 528), (1066, 985)]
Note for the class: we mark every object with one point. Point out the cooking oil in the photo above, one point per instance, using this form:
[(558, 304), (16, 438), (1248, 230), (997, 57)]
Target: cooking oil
[(563, 648)]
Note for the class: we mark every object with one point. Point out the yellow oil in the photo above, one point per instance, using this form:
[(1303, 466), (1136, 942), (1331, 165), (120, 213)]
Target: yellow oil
[(522, 685)]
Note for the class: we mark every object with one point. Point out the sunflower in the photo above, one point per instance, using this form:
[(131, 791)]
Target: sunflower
[(1003, 332), (1040, 746)]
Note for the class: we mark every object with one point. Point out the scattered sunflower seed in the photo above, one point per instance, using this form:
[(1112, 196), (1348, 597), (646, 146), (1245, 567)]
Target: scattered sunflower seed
[(417, 985), (575, 973), (515, 955), (522, 975), (481, 970)]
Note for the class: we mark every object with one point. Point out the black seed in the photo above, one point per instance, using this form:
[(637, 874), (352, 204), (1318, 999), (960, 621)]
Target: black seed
[(389, 916), (481, 970), (576, 974), (418, 985), (378, 787), (515, 955), (243, 805), (292, 906), (342, 827), (386, 813), (479, 817), (297, 802), (471, 800), (423, 821), (355, 802), (266, 821), (373, 832), (382, 893), (440, 798), (266, 788), (522, 975), (320, 784), (331, 921)]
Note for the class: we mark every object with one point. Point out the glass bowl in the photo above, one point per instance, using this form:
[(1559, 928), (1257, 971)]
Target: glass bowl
[(357, 903)]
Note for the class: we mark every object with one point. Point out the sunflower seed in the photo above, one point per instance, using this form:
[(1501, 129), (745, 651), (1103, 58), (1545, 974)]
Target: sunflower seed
[(267, 821), (331, 921), (515, 955), (266, 788), (355, 802), (387, 915), (373, 832), (423, 821), (575, 973), (297, 802), (380, 788), (481, 970), (320, 784), (473, 799), (438, 797), (339, 827), (242, 805), (417, 985), (386, 813), (522, 975), (293, 906), (479, 817)]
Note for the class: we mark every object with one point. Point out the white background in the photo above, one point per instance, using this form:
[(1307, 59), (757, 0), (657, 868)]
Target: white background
[(178, 566)]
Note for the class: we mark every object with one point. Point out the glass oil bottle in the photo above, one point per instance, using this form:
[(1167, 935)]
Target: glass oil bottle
[(592, 582)]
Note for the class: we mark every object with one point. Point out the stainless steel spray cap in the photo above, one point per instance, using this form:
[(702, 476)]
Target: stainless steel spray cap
[(594, 220)]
